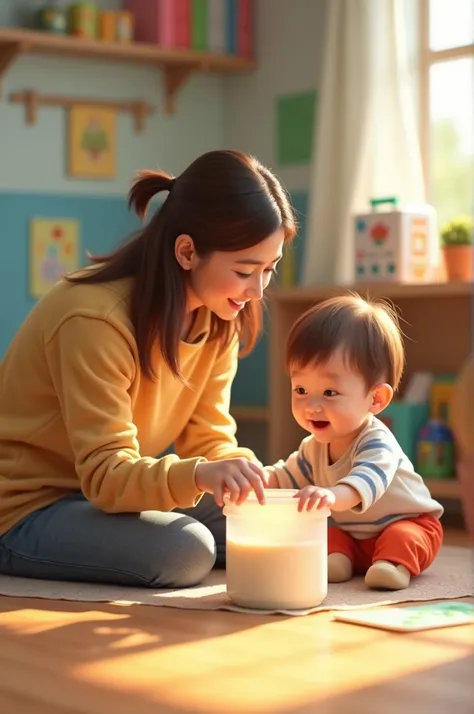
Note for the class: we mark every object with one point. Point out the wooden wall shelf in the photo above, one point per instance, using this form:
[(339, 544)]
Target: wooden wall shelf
[(176, 64), (32, 100)]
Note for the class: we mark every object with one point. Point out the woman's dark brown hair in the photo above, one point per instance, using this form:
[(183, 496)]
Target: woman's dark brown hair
[(224, 200)]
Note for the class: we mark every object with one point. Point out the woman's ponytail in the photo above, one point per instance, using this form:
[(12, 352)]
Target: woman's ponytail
[(146, 186)]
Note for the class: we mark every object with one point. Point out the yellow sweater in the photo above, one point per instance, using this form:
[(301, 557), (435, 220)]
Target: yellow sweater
[(77, 413)]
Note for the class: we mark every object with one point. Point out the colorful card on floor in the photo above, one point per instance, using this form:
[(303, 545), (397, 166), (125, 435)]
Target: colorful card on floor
[(412, 618)]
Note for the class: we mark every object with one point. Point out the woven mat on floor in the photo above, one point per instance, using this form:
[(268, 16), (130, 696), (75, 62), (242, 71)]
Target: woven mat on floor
[(450, 576)]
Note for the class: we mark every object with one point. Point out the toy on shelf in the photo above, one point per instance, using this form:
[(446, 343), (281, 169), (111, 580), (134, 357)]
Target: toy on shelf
[(52, 18), (441, 397), (436, 450), (84, 20), (407, 415), (125, 26), (108, 25), (400, 245), (405, 421)]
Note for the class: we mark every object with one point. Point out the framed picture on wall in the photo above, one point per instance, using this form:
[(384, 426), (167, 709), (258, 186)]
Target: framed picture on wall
[(54, 251), (92, 138)]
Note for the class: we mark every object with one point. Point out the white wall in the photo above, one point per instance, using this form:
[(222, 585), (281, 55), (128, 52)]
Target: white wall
[(212, 111), (289, 57), (289, 45), (33, 158)]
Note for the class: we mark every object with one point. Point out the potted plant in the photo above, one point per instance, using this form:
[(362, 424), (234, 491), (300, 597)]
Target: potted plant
[(457, 239)]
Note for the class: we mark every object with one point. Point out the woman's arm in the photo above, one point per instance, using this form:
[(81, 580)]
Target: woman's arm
[(92, 366)]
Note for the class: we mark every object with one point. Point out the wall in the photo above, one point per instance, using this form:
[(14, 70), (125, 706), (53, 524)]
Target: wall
[(289, 54), (212, 112), (33, 158)]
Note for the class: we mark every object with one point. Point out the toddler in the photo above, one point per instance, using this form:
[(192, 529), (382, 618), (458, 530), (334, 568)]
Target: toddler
[(345, 357)]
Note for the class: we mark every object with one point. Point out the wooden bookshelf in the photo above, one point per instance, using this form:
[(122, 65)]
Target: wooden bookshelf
[(177, 64), (391, 291), (242, 412), (437, 320), (444, 488)]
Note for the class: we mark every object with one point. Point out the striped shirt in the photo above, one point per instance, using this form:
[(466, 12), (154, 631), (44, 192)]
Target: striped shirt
[(376, 467)]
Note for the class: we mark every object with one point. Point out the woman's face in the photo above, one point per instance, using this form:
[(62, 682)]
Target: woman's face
[(225, 281)]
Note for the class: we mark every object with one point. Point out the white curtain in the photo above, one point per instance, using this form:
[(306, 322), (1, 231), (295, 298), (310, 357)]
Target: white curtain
[(366, 139)]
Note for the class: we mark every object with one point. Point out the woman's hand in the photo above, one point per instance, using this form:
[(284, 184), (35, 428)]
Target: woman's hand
[(315, 497), (236, 477)]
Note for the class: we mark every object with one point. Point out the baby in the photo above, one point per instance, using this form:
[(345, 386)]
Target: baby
[(345, 357)]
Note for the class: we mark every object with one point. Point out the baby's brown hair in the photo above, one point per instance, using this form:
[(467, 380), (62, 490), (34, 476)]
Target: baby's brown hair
[(368, 332)]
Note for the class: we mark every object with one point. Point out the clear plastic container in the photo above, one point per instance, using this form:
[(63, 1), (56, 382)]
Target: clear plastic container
[(276, 556)]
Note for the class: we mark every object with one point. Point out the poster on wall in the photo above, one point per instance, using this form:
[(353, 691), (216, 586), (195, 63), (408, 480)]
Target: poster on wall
[(92, 150), (295, 118), (54, 251)]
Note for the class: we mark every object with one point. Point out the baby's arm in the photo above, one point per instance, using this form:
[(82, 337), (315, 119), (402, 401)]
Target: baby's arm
[(295, 473), (336, 498), (375, 463)]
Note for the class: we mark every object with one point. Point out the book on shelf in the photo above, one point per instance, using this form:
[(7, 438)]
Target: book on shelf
[(199, 20), (218, 26)]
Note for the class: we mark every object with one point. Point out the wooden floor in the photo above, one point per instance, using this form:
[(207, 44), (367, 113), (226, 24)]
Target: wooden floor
[(73, 658)]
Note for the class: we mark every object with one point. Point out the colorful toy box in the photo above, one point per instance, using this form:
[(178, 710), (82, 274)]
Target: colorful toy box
[(400, 245)]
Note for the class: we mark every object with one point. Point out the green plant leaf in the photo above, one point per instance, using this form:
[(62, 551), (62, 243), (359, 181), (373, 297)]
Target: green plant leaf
[(459, 231)]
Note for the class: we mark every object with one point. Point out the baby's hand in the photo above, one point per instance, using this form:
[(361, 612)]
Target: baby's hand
[(315, 497)]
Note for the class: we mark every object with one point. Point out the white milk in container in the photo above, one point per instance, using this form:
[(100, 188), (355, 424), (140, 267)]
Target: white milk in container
[(276, 556)]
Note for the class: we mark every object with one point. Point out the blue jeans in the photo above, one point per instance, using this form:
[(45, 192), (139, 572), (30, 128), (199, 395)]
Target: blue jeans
[(74, 540)]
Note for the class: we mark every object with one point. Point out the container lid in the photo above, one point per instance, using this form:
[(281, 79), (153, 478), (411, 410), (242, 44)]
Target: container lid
[(277, 495), (274, 496)]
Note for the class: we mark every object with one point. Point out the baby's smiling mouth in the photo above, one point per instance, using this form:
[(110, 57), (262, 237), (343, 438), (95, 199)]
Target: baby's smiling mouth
[(319, 424)]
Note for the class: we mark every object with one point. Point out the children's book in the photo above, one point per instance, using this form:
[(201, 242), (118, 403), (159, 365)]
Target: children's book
[(412, 618)]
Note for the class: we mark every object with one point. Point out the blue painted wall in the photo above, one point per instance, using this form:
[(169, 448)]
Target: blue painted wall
[(104, 222), (33, 159)]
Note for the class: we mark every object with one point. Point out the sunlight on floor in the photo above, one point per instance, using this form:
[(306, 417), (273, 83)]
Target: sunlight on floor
[(268, 677), (32, 622)]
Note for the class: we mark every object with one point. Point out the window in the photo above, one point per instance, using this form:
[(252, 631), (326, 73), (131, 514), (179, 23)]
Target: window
[(447, 98)]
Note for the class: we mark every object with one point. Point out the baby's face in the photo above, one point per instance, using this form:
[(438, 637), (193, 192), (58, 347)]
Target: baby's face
[(330, 400)]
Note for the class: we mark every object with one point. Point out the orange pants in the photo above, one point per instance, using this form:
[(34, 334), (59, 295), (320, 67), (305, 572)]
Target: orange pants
[(412, 542)]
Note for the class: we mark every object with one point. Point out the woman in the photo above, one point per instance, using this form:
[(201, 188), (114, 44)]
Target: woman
[(126, 358)]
